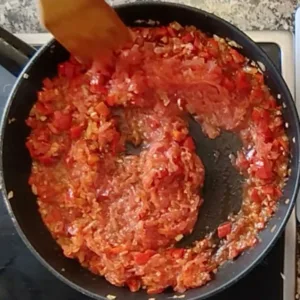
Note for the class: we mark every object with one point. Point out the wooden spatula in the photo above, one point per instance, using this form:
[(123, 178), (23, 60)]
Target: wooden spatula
[(89, 29)]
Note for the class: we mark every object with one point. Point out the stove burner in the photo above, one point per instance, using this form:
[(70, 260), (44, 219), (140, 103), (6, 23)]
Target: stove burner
[(16, 285)]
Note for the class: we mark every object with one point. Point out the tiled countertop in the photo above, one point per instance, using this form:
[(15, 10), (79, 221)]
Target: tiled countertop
[(21, 15)]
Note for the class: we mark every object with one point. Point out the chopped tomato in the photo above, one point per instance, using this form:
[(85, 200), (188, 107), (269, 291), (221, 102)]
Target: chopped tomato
[(204, 54), (224, 230), (271, 190), (47, 83), (260, 114), (257, 95), (141, 258), (69, 161), (283, 142), (171, 31), (102, 109), (178, 135), (61, 69), (115, 143), (152, 291), (237, 57), (254, 195), (97, 84), (277, 123), (228, 60), (133, 284), (110, 100), (275, 150), (62, 121), (32, 122), (265, 132), (241, 161), (153, 123), (47, 95), (75, 131), (54, 215), (260, 78), (161, 32), (177, 252), (189, 143), (187, 38), (67, 69), (52, 128), (93, 159), (242, 82), (213, 47), (44, 135), (46, 159), (229, 84), (197, 42), (162, 172), (117, 249), (37, 148), (263, 169), (270, 103), (261, 117), (43, 108)]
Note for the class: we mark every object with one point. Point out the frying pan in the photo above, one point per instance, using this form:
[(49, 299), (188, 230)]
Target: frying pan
[(223, 185)]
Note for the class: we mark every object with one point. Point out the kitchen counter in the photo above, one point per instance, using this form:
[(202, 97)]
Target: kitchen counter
[(21, 15)]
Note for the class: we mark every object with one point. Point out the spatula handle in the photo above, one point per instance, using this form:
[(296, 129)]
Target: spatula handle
[(85, 27)]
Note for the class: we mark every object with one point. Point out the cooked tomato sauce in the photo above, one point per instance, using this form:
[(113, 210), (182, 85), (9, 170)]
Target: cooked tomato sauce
[(119, 213)]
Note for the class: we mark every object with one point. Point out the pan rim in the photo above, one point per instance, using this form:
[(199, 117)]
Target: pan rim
[(289, 99)]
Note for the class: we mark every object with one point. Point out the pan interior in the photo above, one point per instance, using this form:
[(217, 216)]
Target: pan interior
[(223, 185)]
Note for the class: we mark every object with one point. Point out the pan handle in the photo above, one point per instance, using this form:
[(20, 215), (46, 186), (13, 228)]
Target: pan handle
[(14, 53)]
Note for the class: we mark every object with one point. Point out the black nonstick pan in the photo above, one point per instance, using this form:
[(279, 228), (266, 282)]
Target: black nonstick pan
[(223, 184)]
